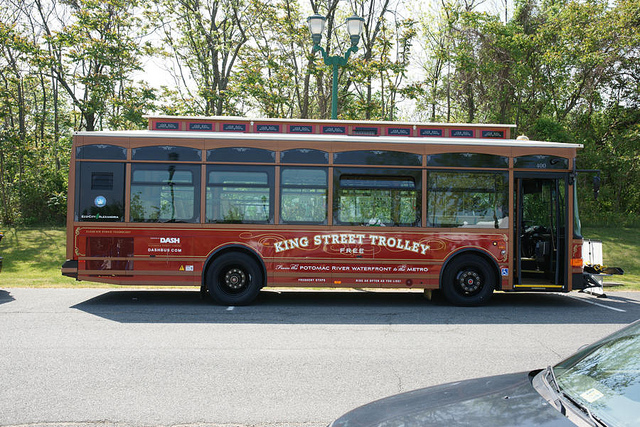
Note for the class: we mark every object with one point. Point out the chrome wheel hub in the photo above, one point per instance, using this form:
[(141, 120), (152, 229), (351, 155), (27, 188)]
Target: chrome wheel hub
[(469, 281), (235, 279)]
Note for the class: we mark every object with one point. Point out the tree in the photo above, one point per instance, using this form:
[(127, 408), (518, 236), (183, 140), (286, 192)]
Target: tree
[(92, 53), (378, 75), (374, 14), (435, 42), (271, 78), (32, 178), (206, 39)]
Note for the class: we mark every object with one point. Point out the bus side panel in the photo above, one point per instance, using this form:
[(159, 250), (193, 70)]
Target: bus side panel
[(358, 257)]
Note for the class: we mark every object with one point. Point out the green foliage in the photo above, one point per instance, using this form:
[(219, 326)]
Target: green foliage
[(612, 141), (63, 66), (93, 55), (270, 77), (545, 129), (128, 109), (377, 78), (206, 38), (33, 153), (562, 71)]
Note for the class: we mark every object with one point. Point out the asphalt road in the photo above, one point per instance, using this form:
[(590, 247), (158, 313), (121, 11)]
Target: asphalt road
[(159, 358)]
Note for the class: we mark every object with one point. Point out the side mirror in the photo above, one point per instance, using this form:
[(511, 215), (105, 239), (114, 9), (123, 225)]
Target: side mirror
[(596, 186)]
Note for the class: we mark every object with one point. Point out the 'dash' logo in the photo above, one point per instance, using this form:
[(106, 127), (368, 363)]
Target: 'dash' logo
[(169, 240)]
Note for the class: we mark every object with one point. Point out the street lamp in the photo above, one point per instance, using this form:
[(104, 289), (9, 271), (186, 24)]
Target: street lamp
[(354, 28)]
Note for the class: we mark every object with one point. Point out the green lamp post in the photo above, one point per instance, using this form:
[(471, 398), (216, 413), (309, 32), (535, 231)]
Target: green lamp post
[(354, 28)]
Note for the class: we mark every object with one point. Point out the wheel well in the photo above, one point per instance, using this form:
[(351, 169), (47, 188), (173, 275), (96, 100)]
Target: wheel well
[(228, 249), (477, 253)]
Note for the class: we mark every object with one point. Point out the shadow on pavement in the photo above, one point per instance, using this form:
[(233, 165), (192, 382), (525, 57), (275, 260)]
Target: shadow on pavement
[(359, 307), (5, 297)]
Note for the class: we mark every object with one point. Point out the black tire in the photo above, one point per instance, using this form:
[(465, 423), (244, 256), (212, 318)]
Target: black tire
[(468, 281), (234, 279)]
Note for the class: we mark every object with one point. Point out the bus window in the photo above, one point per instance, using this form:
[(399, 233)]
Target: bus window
[(101, 152), (303, 197), (378, 200), (377, 157), (467, 199), (467, 160), (241, 154), (165, 193), (304, 155), (100, 191), (240, 194), (166, 153), (541, 162)]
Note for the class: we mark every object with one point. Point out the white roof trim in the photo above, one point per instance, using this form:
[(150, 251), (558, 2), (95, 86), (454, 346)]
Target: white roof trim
[(324, 138)]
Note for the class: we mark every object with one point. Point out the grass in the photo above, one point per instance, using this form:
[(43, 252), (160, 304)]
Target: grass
[(33, 256)]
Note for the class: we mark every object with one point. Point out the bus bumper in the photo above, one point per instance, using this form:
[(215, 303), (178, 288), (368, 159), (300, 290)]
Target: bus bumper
[(70, 268)]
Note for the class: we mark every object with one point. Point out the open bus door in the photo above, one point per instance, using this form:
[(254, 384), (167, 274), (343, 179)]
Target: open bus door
[(541, 245)]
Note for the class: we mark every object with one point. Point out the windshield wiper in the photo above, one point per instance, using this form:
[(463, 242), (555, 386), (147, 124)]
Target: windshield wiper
[(552, 381), (584, 409)]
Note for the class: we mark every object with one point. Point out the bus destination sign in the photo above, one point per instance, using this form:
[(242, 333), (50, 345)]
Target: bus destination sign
[(334, 129), (201, 126), (399, 131), (493, 134), (300, 129), (167, 125), (462, 133), (431, 132), (234, 127), (268, 128)]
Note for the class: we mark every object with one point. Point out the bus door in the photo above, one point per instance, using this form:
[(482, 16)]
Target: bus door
[(541, 240)]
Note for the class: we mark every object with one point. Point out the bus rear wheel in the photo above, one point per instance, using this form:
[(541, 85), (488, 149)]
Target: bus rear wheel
[(234, 279), (468, 281)]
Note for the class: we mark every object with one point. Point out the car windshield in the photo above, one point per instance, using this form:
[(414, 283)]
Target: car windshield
[(605, 378)]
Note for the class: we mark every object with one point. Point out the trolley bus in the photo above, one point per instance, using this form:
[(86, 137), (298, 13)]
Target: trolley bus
[(232, 205)]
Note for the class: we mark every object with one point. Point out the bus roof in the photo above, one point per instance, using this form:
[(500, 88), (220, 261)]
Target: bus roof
[(328, 138)]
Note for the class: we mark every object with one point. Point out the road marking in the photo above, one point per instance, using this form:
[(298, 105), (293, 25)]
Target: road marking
[(595, 303), (230, 308)]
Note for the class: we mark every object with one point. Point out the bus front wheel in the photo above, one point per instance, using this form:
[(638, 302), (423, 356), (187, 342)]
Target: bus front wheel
[(468, 281), (234, 279)]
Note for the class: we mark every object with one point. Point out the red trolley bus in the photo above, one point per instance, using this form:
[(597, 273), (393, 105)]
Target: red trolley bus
[(233, 205)]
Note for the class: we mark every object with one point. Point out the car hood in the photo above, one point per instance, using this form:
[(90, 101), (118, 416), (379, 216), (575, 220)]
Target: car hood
[(504, 400)]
